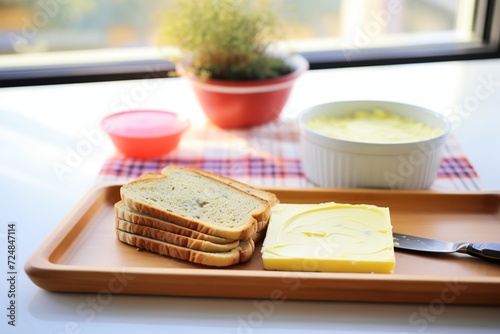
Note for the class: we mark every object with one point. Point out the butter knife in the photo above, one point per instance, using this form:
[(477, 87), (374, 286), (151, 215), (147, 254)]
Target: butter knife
[(487, 251)]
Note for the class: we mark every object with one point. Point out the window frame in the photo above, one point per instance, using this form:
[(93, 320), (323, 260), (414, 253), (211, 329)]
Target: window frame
[(140, 68)]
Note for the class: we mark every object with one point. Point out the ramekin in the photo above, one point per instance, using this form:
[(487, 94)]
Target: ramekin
[(337, 163)]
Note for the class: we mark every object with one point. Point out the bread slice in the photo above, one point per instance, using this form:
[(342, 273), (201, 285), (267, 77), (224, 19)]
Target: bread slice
[(240, 254), (265, 195), (125, 213), (196, 201), (176, 239)]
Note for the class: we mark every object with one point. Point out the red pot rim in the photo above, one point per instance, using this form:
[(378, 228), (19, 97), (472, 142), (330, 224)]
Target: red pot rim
[(297, 61)]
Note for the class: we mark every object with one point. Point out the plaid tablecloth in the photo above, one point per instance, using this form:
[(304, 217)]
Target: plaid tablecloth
[(268, 155)]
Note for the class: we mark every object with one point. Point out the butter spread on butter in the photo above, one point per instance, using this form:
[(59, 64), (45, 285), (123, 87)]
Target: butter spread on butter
[(375, 126), (329, 237)]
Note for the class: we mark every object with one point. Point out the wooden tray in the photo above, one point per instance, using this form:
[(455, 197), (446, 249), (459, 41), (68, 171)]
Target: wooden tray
[(83, 255)]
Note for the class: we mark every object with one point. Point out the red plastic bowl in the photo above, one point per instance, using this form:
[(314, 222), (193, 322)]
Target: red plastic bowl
[(239, 104), (145, 133)]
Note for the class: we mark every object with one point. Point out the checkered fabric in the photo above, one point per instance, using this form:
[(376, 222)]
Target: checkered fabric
[(268, 155)]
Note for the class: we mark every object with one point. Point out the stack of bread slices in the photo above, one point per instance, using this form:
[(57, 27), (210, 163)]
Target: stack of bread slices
[(193, 215)]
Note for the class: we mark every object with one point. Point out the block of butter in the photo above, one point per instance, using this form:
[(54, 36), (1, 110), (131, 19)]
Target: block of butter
[(329, 237)]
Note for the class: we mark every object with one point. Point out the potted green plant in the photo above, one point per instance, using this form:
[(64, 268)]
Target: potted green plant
[(224, 50)]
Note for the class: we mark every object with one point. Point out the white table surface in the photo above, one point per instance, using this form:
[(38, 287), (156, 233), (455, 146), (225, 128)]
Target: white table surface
[(39, 126)]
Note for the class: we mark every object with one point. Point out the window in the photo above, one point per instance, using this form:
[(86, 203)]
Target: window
[(50, 41), (384, 31)]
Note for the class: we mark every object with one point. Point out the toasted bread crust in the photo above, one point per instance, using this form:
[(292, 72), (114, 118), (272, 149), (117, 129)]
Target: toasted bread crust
[(244, 229), (125, 213), (173, 238), (193, 215), (265, 195), (240, 254)]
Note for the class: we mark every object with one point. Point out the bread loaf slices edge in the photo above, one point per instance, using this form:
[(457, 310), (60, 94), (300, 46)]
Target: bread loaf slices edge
[(246, 231), (173, 238), (240, 254), (124, 212)]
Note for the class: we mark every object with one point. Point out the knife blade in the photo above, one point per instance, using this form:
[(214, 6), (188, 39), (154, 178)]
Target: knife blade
[(487, 251)]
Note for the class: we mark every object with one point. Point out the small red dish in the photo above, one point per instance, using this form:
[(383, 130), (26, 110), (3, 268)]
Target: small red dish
[(145, 133)]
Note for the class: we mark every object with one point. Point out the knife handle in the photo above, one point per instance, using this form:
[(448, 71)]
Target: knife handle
[(487, 251)]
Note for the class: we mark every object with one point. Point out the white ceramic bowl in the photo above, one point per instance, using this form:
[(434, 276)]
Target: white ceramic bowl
[(337, 163)]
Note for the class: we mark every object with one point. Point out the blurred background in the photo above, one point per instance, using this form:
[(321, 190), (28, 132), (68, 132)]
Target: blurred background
[(62, 25), (61, 32)]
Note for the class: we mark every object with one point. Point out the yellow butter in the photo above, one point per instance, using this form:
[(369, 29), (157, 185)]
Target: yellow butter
[(329, 237), (375, 126)]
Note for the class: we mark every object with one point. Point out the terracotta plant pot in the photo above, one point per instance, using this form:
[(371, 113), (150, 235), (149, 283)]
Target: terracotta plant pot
[(239, 104)]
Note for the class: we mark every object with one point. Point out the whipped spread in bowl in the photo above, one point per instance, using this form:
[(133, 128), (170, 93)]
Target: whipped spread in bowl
[(376, 126)]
